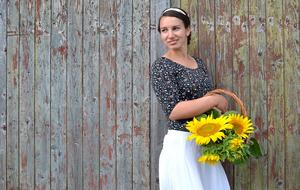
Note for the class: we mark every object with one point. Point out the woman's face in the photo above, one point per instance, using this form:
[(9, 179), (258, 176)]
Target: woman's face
[(173, 32)]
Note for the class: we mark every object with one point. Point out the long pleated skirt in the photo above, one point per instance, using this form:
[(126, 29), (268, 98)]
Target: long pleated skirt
[(179, 169)]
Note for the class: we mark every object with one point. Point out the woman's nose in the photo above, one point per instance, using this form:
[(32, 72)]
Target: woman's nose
[(170, 33)]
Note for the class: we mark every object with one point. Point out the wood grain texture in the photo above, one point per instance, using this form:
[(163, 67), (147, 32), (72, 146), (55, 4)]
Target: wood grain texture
[(275, 92), (206, 37), (124, 134), (241, 84), (172, 3), (3, 97), (76, 106), (191, 7), (291, 54), (27, 96), (158, 120), (224, 59), (108, 76), (141, 94), (74, 95), (90, 153), (258, 93), (42, 94), (12, 112), (58, 96), (12, 91)]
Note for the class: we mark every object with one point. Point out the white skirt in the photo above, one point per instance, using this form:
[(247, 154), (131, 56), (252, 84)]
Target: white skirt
[(180, 170)]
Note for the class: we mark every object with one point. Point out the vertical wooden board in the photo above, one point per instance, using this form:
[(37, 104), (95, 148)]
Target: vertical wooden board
[(191, 7), (224, 52), (12, 86), (141, 93), (124, 95), (58, 112), (258, 94), (224, 67), (90, 95), (275, 102), (3, 98), (26, 98), (292, 93), (42, 94), (108, 76), (158, 121), (241, 84), (12, 152), (74, 95), (206, 38)]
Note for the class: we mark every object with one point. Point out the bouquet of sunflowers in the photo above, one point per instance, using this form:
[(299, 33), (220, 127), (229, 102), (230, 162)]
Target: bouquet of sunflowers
[(224, 136)]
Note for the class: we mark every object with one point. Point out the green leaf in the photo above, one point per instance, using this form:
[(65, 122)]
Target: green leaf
[(255, 149), (201, 116), (214, 112), (230, 112)]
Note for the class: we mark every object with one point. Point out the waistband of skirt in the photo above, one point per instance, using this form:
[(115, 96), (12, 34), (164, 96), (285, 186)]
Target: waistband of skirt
[(177, 132)]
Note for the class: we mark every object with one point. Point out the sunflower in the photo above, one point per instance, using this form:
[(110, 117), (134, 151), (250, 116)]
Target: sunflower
[(210, 158), (208, 129), (236, 143), (242, 125)]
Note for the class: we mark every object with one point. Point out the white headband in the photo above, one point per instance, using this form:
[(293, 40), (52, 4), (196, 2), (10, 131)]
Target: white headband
[(175, 9)]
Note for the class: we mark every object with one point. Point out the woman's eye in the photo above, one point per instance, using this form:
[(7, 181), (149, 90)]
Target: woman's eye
[(163, 30), (176, 28)]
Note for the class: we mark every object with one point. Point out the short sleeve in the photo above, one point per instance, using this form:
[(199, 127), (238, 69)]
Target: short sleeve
[(165, 86)]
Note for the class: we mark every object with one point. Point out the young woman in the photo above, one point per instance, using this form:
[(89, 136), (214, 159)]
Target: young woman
[(180, 83)]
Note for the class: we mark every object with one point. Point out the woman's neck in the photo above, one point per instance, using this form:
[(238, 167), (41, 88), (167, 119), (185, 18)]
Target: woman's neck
[(177, 54)]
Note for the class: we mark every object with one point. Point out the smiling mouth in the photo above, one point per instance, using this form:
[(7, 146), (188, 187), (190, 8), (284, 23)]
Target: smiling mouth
[(172, 42)]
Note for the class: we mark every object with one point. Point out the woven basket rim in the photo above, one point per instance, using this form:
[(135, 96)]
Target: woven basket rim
[(231, 94)]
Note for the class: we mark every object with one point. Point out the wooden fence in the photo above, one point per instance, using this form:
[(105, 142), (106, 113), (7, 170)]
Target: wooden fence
[(76, 106)]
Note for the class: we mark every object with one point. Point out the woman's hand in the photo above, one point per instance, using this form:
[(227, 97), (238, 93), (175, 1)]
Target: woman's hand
[(220, 102)]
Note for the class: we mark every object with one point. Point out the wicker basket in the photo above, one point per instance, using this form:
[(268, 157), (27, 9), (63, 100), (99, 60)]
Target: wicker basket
[(237, 100)]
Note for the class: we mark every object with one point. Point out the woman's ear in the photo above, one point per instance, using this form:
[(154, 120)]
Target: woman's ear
[(188, 32)]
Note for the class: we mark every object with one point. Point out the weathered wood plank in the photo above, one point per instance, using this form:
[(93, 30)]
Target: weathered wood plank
[(192, 8), (241, 83), (42, 94), (158, 122), (292, 92), (206, 38), (275, 92), (91, 95), (74, 95), (12, 113), (12, 84), (58, 95), (124, 95), (173, 3), (3, 98), (224, 67), (141, 93), (108, 125), (258, 94), (224, 58), (26, 98)]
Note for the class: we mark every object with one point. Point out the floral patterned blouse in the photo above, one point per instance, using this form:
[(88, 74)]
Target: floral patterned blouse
[(173, 82)]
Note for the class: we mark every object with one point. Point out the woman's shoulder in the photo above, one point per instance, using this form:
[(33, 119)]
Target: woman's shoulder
[(198, 60), (162, 63)]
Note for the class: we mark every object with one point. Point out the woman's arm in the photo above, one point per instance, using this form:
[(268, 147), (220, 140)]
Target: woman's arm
[(190, 108)]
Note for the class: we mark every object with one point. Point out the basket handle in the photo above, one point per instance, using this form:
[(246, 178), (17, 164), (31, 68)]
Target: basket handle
[(233, 96)]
